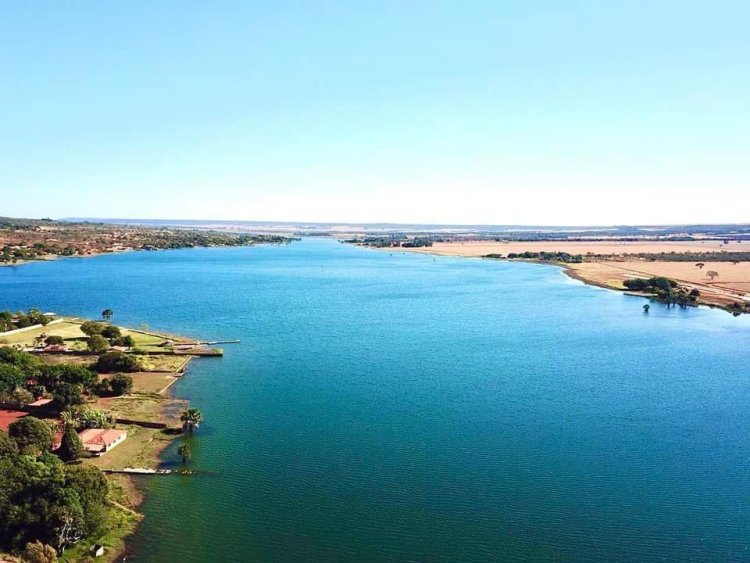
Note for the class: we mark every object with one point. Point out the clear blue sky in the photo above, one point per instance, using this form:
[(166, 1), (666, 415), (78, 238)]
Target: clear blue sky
[(544, 112)]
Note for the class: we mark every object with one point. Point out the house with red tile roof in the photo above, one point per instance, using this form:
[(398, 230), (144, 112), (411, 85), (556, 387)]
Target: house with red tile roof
[(100, 440)]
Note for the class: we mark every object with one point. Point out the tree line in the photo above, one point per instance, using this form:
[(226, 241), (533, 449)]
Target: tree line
[(664, 289)]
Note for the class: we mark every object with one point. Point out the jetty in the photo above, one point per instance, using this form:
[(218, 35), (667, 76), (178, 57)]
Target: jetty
[(209, 343), (139, 471)]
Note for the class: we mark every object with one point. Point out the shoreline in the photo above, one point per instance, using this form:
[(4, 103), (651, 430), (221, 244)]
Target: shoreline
[(149, 412), (712, 297), (55, 257), (137, 485)]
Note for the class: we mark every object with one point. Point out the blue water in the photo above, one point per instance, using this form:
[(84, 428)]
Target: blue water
[(411, 408)]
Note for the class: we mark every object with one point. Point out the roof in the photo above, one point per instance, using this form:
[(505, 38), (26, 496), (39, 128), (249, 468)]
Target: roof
[(40, 403), (8, 417), (99, 438)]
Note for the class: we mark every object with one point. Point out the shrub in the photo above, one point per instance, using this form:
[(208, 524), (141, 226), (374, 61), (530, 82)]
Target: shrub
[(38, 552), (90, 328), (121, 384), (116, 361), (127, 340), (97, 343), (54, 340)]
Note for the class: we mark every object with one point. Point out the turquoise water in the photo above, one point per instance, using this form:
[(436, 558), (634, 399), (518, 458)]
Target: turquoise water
[(408, 408)]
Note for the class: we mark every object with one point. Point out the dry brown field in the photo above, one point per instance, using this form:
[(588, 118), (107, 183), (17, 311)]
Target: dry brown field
[(732, 285), (482, 248)]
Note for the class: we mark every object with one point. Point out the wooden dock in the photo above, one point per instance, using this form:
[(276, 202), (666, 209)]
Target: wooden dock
[(139, 471)]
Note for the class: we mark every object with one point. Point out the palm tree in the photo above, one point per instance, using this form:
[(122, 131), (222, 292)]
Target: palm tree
[(107, 314), (184, 451), (191, 419)]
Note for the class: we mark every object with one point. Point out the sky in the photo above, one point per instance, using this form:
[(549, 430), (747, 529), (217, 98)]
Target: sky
[(500, 112)]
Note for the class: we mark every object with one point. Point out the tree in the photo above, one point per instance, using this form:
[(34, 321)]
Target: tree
[(67, 395), (31, 435), (10, 377), (38, 552), (102, 388), (19, 358), (107, 314), (121, 384), (54, 340), (712, 274), (185, 452), (35, 317), (71, 447), (191, 419), (7, 446), (97, 344), (50, 376), (700, 265), (18, 397), (111, 332), (90, 328), (90, 484)]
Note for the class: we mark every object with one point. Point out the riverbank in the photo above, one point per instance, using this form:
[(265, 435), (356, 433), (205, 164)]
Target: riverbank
[(147, 414), (26, 240), (721, 284)]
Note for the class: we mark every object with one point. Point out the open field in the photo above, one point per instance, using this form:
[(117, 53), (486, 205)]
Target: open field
[(149, 382), (614, 247), (67, 328), (144, 406), (730, 286)]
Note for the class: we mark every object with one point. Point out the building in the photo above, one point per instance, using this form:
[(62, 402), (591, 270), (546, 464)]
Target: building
[(100, 440), (40, 403)]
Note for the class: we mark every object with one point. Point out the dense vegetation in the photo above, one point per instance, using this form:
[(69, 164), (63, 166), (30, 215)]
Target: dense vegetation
[(23, 378), (697, 257), (45, 505), (116, 361), (24, 239), (12, 321), (42, 499), (665, 289), (396, 240), (544, 256)]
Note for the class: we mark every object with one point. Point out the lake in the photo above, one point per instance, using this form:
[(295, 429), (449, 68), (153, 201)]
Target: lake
[(416, 408)]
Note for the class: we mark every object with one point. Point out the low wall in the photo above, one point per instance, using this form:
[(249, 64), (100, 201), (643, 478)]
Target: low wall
[(27, 328), (143, 423)]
